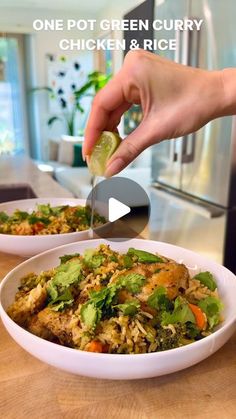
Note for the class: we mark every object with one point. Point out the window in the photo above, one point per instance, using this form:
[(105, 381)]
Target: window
[(12, 123)]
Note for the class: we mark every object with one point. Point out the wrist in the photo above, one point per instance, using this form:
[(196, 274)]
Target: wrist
[(228, 80)]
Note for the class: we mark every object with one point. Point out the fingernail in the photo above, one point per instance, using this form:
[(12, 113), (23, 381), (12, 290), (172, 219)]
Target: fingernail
[(114, 167)]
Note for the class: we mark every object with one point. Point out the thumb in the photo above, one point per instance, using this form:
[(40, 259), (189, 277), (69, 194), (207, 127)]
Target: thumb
[(128, 150)]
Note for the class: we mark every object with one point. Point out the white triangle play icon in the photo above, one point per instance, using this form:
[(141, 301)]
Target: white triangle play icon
[(116, 209)]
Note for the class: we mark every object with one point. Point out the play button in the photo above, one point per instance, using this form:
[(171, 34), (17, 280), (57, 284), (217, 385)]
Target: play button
[(116, 209), (124, 203)]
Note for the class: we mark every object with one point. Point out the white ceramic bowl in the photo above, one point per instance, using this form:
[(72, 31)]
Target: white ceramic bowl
[(122, 366), (28, 246)]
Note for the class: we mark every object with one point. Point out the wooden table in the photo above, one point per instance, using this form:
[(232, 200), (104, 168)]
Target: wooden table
[(31, 389)]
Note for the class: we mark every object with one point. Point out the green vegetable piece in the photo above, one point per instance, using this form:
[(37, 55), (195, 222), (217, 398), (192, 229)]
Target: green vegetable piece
[(33, 219), (67, 274), (52, 290), (57, 210), (192, 330), (99, 297), (65, 258), (207, 279), (20, 215), (45, 209), (103, 297), (90, 315), (144, 257), (3, 217), (212, 307), (62, 305), (93, 260), (127, 261), (66, 296), (181, 314), (158, 300), (129, 308), (64, 300), (113, 258), (132, 282)]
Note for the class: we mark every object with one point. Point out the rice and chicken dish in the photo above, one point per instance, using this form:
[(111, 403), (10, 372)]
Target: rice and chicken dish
[(105, 301), (49, 220)]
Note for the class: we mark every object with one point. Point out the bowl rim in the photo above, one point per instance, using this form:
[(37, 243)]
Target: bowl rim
[(181, 349), (44, 236)]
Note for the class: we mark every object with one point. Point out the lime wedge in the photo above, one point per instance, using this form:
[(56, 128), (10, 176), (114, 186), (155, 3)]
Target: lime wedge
[(102, 151)]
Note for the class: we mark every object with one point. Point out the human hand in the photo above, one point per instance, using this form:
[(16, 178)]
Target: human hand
[(175, 101)]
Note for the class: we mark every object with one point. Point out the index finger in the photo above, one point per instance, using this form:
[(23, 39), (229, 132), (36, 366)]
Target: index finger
[(109, 99)]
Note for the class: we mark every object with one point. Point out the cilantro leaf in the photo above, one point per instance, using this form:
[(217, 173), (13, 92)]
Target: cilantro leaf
[(20, 215), (129, 308), (58, 209), (65, 258), (99, 297), (58, 288), (101, 301), (67, 274), (144, 257), (45, 209), (207, 279), (181, 314), (3, 217), (212, 307), (159, 301), (52, 290), (93, 260), (63, 300), (127, 261), (133, 282), (33, 219), (62, 305), (90, 315)]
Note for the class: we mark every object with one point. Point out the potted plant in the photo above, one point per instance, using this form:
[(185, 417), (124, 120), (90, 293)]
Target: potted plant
[(95, 81)]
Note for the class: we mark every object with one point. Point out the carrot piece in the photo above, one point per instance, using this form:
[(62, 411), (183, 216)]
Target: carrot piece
[(95, 346), (199, 316), (38, 227)]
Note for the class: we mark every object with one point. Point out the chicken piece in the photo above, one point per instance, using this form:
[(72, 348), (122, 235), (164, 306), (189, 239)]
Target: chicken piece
[(58, 323), (24, 307), (172, 276), (23, 229), (37, 328)]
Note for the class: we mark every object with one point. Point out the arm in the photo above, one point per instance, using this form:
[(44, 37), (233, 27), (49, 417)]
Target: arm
[(175, 100)]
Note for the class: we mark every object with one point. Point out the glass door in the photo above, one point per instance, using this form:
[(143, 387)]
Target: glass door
[(13, 132)]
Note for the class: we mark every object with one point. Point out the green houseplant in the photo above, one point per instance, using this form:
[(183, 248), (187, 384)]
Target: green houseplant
[(95, 81)]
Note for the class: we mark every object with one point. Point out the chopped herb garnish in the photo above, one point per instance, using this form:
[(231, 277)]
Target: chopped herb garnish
[(207, 279), (3, 217), (181, 313), (65, 258), (33, 219), (92, 259), (129, 308), (159, 300), (90, 314), (144, 257), (212, 307), (133, 282)]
